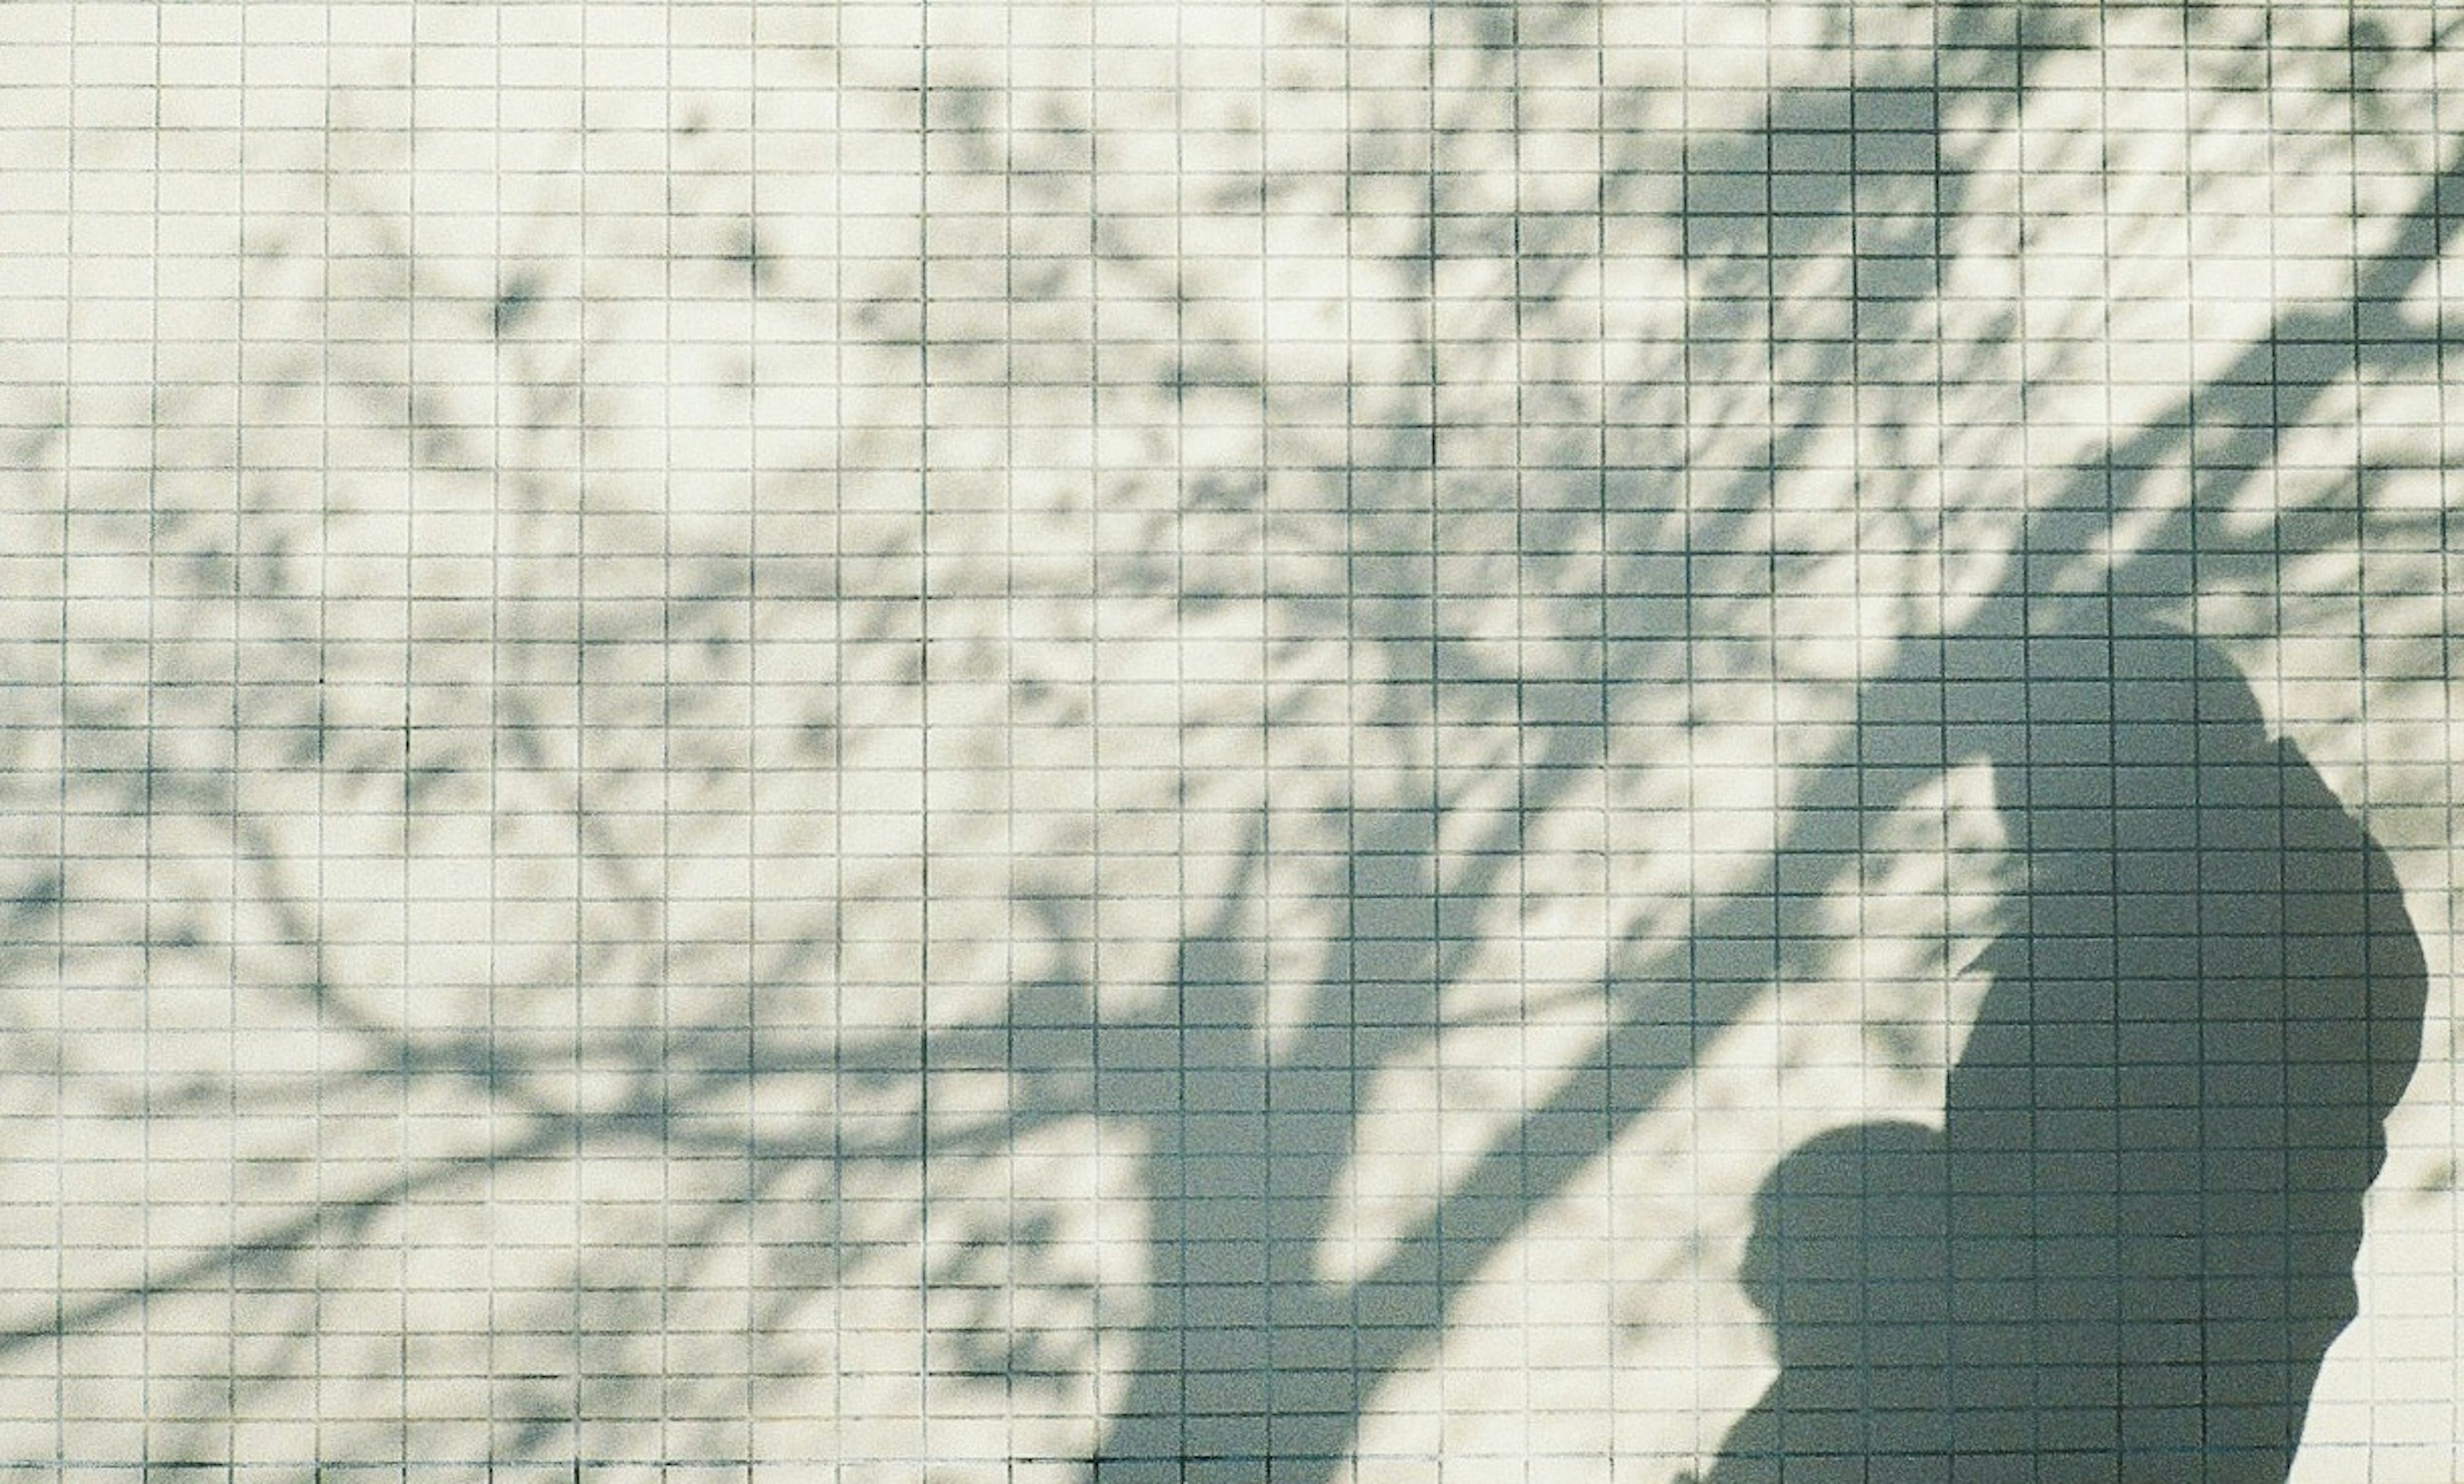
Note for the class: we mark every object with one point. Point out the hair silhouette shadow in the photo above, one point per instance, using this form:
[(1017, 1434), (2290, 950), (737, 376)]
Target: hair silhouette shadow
[(2128, 1251), (1847, 1263)]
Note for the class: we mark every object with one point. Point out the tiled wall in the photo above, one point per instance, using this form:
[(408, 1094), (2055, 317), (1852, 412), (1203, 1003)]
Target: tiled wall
[(1232, 741)]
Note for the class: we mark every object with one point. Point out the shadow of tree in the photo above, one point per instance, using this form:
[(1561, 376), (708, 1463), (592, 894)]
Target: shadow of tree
[(806, 998)]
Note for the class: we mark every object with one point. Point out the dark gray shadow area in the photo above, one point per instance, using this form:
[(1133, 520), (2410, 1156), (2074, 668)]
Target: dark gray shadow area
[(2127, 1254), (1848, 1264)]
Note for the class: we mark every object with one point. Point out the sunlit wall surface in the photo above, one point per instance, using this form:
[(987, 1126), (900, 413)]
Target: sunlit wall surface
[(1091, 743)]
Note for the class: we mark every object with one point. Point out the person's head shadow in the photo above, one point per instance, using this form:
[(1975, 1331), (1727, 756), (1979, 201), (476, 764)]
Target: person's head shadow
[(2159, 1134), (1847, 1262), (1848, 1234)]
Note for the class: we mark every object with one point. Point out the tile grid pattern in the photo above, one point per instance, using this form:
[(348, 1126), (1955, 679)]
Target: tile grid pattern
[(1020, 741)]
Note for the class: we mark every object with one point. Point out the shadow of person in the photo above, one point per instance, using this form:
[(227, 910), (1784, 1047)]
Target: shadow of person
[(2159, 1136), (2163, 1127), (1847, 1261)]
